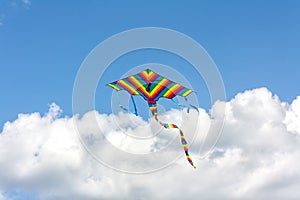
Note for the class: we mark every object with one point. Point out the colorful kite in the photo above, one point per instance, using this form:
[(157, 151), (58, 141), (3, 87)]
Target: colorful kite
[(151, 86)]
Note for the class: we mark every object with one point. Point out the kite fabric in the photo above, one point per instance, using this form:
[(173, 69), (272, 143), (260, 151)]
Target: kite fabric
[(151, 86)]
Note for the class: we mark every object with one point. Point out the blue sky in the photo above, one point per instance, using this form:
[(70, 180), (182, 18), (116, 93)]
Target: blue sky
[(253, 43)]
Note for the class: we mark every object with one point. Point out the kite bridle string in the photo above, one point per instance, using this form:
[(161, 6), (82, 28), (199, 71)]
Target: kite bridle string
[(127, 109)]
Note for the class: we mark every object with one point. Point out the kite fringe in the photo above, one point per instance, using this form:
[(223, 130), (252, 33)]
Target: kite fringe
[(188, 106)]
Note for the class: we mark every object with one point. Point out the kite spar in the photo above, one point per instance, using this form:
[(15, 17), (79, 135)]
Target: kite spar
[(151, 86)]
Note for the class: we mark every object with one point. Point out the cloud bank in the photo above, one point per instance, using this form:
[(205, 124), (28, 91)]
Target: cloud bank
[(257, 156)]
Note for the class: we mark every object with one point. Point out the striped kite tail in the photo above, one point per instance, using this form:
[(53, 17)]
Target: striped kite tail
[(185, 147), (153, 108)]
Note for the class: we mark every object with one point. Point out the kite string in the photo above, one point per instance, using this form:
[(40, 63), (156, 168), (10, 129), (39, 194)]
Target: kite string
[(153, 108), (188, 106), (127, 109)]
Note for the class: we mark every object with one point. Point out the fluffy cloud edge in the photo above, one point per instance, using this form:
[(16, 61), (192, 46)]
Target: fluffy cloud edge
[(256, 157)]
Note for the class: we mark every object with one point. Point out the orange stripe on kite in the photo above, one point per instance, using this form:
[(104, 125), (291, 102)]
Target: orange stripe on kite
[(127, 87), (134, 81), (144, 75), (177, 89), (152, 76), (170, 93), (160, 86)]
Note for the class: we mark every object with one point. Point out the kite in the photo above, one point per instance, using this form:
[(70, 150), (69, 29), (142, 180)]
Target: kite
[(152, 86)]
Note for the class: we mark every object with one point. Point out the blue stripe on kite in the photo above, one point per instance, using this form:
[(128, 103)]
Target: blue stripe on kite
[(161, 92), (138, 89), (141, 79), (180, 91), (129, 83), (168, 86)]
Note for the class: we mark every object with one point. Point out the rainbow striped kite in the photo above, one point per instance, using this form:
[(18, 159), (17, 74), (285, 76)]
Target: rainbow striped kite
[(151, 86)]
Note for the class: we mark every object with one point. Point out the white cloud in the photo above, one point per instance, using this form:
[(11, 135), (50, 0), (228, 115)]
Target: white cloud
[(257, 156), (16, 3), (292, 119), (7, 6), (26, 2), (2, 17)]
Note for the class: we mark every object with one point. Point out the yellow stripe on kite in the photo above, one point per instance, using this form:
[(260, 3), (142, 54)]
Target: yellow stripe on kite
[(114, 86), (161, 83), (187, 92), (128, 87), (170, 91), (141, 86)]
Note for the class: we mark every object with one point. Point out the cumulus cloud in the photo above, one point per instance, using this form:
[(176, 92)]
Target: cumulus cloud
[(26, 2), (257, 156), (2, 17)]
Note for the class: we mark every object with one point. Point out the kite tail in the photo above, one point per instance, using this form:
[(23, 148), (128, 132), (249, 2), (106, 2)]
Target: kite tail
[(153, 108)]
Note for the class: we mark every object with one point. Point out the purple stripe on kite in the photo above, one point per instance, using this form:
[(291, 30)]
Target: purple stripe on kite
[(179, 90), (135, 85), (161, 93), (141, 79)]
